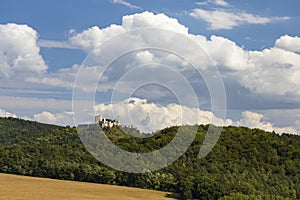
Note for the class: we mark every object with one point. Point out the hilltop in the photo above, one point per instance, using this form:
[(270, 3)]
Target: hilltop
[(244, 164)]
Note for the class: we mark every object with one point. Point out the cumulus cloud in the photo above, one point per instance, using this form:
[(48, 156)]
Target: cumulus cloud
[(95, 36), (125, 3), (3, 113), (288, 43), (144, 57), (45, 117), (257, 71), (275, 72), (19, 51), (269, 72), (51, 111), (226, 53), (62, 118), (149, 19), (255, 120), (149, 117), (228, 19)]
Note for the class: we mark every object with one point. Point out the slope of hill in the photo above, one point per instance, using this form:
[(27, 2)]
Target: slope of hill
[(244, 164), (21, 187)]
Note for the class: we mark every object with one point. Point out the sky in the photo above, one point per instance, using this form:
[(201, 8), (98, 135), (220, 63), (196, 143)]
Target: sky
[(152, 64)]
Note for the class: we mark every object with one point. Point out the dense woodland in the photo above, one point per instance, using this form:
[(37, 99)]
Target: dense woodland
[(244, 164)]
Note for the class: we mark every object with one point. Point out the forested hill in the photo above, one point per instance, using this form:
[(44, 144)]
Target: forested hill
[(244, 164)]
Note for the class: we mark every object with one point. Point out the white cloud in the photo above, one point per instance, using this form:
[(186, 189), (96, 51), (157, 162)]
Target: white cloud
[(149, 19), (202, 3), (215, 2), (24, 106), (221, 3), (146, 116), (45, 117), (19, 52), (62, 118), (125, 3), (95, 36), (270, 72), (255, 120), (258, 71), (288, 43), (228, 19), (55, 44), (276, 72), (46, 110), (144, 57), (55, 81), (281, 117), (3, 113), (51, 111), (226, 53), (149, 117), (65, 77)]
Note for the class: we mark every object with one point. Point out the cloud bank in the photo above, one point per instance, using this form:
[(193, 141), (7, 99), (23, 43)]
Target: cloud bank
[(149, 117), (271, 73), (257, 71), (3, 113)]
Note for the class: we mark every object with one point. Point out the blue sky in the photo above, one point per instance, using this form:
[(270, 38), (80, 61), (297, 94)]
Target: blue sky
[(261, 86), (53, 19)]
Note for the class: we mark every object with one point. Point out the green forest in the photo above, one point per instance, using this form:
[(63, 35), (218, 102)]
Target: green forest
[(244, 164)]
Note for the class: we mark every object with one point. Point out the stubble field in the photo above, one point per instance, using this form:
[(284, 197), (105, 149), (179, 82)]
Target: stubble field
[(15, 187)]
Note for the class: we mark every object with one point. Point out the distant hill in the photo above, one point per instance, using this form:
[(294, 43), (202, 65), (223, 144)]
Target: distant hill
[(244, 164)]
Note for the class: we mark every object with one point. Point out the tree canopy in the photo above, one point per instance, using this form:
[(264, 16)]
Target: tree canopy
[(244, 164)]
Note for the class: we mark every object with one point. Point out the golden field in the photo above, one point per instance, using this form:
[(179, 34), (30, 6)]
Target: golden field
[(13, 187)]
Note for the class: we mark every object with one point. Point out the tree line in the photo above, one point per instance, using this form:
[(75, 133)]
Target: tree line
[(244, 164)]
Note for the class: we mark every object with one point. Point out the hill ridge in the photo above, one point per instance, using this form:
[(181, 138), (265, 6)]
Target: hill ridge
[(245, 163)]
